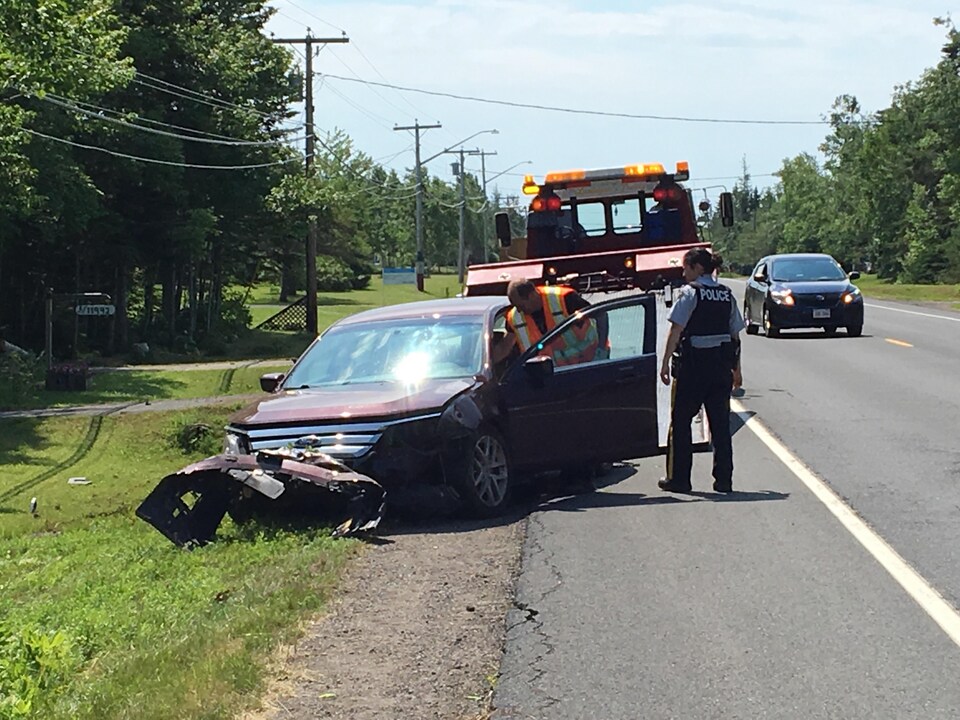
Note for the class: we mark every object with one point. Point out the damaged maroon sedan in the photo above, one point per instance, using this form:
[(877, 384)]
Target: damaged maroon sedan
[(409, 394)]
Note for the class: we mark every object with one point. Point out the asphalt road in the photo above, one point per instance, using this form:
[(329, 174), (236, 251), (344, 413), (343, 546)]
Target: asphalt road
[(636, 604)]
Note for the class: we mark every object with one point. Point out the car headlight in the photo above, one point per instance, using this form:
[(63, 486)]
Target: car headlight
[(851, 295), (232, 445), (783, 297)]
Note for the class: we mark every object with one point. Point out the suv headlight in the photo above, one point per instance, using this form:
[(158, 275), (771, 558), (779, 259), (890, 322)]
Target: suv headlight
[(783, 297)]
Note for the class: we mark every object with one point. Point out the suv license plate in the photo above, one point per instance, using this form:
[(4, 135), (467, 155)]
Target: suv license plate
[(820, 314)]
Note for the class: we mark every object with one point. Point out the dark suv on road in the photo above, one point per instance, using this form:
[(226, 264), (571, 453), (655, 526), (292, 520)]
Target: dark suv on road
[(802, 290)]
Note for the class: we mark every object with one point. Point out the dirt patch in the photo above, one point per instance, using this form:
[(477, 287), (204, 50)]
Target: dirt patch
[(416, 632)]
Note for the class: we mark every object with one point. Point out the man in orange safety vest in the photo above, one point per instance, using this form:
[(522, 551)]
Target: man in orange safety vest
[(537, 310)]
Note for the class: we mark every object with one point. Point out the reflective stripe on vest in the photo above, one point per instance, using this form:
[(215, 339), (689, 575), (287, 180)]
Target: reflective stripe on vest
[(578, 344)]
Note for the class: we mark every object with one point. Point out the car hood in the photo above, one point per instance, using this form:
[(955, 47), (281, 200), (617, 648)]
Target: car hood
[(353, 402), (810, 287)]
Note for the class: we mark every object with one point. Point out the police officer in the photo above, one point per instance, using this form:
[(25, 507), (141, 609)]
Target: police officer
[(705, 325)]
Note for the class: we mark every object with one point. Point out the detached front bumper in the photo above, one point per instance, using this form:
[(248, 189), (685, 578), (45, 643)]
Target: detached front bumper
[(188, 506)]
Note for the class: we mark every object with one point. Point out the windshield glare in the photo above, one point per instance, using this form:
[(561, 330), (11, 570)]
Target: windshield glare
[(403, 351), (807, 269)]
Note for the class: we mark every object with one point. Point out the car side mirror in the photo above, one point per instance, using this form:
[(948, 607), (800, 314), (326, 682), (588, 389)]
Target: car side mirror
[(271, 381), (504, 233), (539, 368), (855, 275), (760, 277), (726, 209)]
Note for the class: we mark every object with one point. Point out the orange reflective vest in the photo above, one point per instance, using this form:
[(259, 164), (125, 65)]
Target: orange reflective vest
[(576, 345)]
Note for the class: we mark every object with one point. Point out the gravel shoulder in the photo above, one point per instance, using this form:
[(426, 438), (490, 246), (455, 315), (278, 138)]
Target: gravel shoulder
[(416, 631)]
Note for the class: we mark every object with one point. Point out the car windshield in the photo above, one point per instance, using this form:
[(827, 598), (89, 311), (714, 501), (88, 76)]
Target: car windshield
[(404, 351), (807, 270)]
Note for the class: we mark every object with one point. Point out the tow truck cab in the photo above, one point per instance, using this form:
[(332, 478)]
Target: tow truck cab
[(610, 234)]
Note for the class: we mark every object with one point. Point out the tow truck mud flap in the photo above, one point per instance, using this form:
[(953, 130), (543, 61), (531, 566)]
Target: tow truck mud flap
[(188, 506)]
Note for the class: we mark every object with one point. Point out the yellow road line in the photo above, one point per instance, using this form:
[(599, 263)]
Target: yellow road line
[(901, 343), (916, 586)]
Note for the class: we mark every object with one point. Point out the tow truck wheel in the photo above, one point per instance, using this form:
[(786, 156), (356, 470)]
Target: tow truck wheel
[(483, 479), (769, 328), (752, 328)]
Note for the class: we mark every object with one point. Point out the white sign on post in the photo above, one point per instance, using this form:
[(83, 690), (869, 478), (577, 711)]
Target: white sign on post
[(96, 310), (399, 276)]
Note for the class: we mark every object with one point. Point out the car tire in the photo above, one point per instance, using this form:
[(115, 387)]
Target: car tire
[(483, 474), (769, 329), (854, 330), (752, 328)]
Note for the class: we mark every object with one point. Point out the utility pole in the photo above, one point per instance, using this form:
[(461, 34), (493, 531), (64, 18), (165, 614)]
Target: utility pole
[(485, 212), (308, 43), (417, 127), (463, 212)]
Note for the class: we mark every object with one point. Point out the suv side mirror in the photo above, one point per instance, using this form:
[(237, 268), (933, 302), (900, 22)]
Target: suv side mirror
[(504, 234), (271, 381), (726, 209), (855, 275)]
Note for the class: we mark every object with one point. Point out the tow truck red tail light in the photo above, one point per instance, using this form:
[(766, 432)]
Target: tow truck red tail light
[(541, 203), (668, 194)]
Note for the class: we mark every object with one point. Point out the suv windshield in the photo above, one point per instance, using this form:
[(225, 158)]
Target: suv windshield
[(404, 351), (807, 269)]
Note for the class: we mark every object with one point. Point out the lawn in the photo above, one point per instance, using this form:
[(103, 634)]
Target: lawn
[(139, 385), (125, 624), (872, 286), (333, 306)]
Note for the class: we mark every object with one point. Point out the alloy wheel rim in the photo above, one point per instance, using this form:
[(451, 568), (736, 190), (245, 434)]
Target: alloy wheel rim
[(489, 470)]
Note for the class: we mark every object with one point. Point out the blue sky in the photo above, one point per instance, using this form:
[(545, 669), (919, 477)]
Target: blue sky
[(755, 60)]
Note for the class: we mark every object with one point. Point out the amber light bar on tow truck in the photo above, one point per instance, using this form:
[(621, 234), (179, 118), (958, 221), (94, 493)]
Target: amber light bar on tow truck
[(629, 173)]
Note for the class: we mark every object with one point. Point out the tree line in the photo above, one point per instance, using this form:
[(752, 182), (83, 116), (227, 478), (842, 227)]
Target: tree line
[(883, 196), (147, 151)]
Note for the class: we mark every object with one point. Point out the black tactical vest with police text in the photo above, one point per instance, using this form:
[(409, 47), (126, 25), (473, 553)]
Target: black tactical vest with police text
[(711, 316)]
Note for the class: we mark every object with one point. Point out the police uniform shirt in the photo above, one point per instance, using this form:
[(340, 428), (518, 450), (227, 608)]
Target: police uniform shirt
[(686, 302)]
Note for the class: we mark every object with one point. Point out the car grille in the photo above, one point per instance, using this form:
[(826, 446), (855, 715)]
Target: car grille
[(344, 441), (817, 300)]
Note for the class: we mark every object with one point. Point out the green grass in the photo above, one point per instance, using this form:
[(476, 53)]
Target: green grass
[(152, 631), (139, 385), (872, 286)]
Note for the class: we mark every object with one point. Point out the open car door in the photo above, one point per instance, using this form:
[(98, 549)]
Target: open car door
[(601, 410)]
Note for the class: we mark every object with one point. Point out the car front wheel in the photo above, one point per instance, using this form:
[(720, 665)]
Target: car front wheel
[(752, 328), (769, 328), (854, 330), (483, 478)]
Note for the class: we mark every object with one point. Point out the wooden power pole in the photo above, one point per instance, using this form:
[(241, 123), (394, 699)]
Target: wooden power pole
[(308, 42)]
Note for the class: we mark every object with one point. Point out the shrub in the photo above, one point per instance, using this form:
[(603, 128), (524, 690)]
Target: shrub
[(31, 662), (333, 274)]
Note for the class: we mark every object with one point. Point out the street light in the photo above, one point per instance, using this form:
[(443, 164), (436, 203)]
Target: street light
[(421, 163), (504, 172), (458, 144)]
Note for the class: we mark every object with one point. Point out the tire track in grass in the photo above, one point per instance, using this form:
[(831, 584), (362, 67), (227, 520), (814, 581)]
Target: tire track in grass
[(86, 445)]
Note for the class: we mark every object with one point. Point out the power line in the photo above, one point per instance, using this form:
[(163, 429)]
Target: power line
[(378, 119), (204, 98), (100, 109), (579, 111), (316, 17), (164, 133), (159, 162), (370, 87)]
